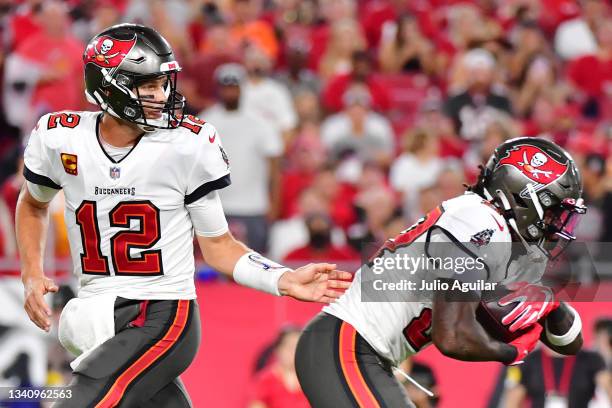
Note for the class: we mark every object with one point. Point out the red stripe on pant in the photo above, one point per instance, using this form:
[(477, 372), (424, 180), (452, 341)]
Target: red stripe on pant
[(352, 374), (114, 395)]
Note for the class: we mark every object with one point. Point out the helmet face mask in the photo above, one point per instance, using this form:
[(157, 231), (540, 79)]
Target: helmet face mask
[(538, 187), (121, 58), (558, 226), (140, 104)]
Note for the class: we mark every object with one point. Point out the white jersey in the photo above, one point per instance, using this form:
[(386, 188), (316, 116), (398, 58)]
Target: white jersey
[(397, 329), (129, 230)]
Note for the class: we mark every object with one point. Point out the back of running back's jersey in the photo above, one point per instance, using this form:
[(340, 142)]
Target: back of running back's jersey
[(397, 329), (129, 231)]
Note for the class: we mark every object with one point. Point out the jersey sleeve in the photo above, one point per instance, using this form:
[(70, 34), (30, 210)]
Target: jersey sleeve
[(38, 166), (207, 216), (211, 169), (41, 193)]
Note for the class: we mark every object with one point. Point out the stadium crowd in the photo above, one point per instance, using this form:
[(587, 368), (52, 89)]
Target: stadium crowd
[(344, 120)]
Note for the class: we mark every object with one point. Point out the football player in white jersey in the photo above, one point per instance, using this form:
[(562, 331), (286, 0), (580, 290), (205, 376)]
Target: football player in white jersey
[(138, 179), (425, 285)]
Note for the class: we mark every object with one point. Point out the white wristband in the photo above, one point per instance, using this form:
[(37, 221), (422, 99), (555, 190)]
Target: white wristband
[(572, 333), (257, 272)]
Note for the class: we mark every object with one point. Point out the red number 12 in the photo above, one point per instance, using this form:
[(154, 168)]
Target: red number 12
[(147, 264)]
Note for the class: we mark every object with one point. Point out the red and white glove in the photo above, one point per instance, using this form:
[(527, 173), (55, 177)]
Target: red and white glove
[(535, 302), (525, 343)]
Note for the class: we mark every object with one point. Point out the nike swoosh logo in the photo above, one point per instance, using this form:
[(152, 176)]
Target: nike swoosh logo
[(501, 227), (211, 139)]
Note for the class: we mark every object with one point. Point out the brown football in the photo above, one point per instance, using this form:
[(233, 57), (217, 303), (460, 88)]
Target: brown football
[(490, 314)]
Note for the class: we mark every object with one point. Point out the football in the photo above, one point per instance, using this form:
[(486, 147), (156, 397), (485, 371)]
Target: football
[(490, 314)]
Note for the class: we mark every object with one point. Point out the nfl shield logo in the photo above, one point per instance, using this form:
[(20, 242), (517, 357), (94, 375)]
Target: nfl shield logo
[(115, 172)]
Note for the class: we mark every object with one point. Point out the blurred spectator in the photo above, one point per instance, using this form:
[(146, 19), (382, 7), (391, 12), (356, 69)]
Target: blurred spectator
[(540, 79), (546, 376), (254, 159), (331, 12), (297, 76), (289, 234), (575, 38), (294, 22), (528, 43), (417, 167), (593, 171), (346, 37), (424, 376), (143, 12), (40, 77), (92, 16), (197, 81), (24, 22), (171, 18), (478, 154), (404, 48), (266, 97), (450, 182), (531, 67), (319, 247), (468, 27), (603, 339), (431, 119), (550, 119), (361, 74), (249, 31), (308, 110), (472, 109), (277, 385), (592, 73), (359, 130), (339, 196), (377, 207), (304, 160)]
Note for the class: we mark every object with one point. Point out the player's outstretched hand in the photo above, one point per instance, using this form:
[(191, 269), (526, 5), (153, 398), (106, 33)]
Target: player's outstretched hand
[(39, 312), (319, 282), (534, 303), (526, 343)]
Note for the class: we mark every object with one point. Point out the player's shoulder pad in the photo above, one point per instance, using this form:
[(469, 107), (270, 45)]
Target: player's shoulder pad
[(196, 132), (56, 121), (52, 128), (469, 218)]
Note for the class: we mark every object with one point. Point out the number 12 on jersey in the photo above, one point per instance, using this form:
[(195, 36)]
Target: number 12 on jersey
[(149, 263)]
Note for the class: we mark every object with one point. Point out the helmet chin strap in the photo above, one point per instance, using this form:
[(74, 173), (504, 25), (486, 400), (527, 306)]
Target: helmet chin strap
[(531, 253)]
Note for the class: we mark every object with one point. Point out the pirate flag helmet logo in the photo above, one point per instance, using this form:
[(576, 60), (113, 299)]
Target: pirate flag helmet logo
[(534, 163), (108, 52)]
